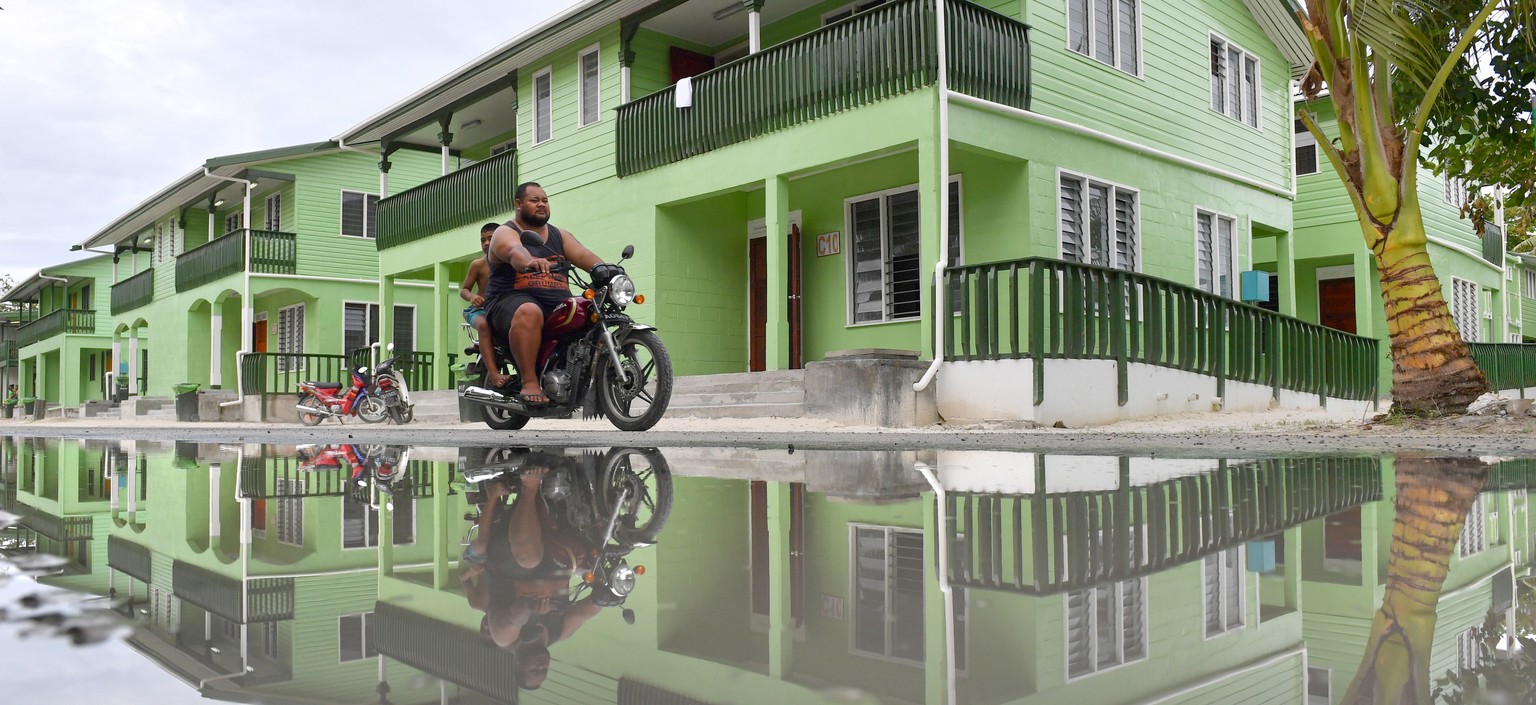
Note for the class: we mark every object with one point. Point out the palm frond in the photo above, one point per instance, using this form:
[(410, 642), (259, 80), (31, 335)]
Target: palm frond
[(1391, 28)]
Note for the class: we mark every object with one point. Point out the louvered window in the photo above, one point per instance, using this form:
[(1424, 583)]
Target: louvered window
[(1467, 650), (1306, 150), (1319, 691), (1106, 30), (358, 211), (1473, 539), (1223, 591), (1234, 82), (1100, 223), (355, 637), (1106, 626), (591, 85), (360, 327), (274, 220), (290, 511), (885, 277), (1215, 252), (1530, 283), (290, 337), (233, 221), (1457, 192), (360, 522), (270, 642), (1465, 297), (542, 124), (888, 592)]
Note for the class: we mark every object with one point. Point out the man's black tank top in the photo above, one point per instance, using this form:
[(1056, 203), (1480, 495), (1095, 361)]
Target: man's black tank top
[(504, 279)]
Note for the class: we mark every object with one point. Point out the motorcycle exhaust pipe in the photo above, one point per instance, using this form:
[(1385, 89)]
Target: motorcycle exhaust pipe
[(476, 393), (313, 410)]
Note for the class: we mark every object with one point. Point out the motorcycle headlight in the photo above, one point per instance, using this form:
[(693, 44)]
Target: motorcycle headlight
[(622, 580), (622, 290)]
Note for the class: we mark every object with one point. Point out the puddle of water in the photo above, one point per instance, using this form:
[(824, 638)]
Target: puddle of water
[(352, 573)]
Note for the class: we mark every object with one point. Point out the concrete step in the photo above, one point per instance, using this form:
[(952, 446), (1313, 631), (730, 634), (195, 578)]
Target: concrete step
[(737, 411), (770, 396), (739, 395), (739, 382)]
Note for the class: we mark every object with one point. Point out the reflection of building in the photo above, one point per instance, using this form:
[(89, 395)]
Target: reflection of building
[(62, 492)]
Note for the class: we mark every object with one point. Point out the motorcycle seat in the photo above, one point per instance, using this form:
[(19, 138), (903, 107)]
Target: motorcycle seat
[(324, 385)]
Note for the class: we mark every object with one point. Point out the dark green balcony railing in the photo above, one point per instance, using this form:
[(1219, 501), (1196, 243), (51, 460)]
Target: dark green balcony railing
[(271, 253), (414, 367), (266, 599), (1042, 308), (8, 353), (445, 650), (1506, 365), (1493, 244), (875, 55), (1047, 543), (64, 320), (469, 195), (128, 557), (133, 292)]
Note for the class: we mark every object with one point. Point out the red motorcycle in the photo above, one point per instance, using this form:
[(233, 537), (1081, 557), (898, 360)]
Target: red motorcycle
[(320, 400)]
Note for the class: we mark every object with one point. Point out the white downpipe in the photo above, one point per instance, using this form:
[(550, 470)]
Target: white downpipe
[(215, 480), (247, 311), (942, 504), (133, 359), (383, 175), (215, 349), (938, 269), (754, 32)]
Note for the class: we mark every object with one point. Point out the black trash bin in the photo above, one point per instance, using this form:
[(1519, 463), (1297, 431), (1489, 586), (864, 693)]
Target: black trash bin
[(39, 408), (469, 412), (186, 402), (7, 411)]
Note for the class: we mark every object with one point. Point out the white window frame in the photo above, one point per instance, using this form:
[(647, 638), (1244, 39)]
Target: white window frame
[(373, 335), (1254, 119), (1458, 192), (364, 620), (848, 243), (1223, 576), (1474, 530), (1237, 245), (1305, 138), (853, 592), (548, 74), (1091, 52), (1066, 627), (341, 222), (290, 508), (582, 99), (1467, 649), (282, 362), (1529, 277), (1458, 286), (1114, 188), (273, 212)]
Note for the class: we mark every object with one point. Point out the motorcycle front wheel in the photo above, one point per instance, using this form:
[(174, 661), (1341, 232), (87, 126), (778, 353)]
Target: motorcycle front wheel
[(402, 414), (309, 418), (372, 410), (635, 396), (644, 479)]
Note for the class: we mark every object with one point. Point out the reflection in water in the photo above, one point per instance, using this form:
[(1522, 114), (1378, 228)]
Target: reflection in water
[(356, 573)]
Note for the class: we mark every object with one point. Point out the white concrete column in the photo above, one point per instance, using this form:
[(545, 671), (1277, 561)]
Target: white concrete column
[(445, 160), (117, 362), (133, 361), (754, 32), (624, 85), (215, 472), (383, 184), (215, 350)]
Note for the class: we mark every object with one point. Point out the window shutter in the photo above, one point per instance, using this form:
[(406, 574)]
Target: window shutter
[(1218, 76), (1098, 223), (869, 586), (405, 519), (1233, 577), (1232, 69), (405, 329), (352, 207), (1103, 31), (591, 99), (1079, 633), (274, 221), (1204, 235), (1225, 228), (903, 298), (1250, 91), (1133, 607), (355, 529), (1077, 26), (354, 326), (1212, 594), (868, 288), (1073, 248), (1127, 240), (1125, 22), (541, 107), (906, 614)]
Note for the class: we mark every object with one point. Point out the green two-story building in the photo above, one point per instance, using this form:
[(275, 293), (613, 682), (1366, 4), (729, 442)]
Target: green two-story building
[(63, 352)]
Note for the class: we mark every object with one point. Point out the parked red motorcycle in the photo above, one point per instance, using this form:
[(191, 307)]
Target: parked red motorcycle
[(320, 400)]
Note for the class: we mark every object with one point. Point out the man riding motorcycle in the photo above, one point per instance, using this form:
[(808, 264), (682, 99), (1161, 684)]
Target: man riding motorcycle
[(522, 290)]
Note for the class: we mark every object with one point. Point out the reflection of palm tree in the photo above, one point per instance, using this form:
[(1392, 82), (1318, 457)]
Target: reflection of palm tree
[(1433, 498)]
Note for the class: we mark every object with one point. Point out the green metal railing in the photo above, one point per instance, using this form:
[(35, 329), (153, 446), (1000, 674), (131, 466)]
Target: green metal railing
[(64, 320), (1047, 543), (415, 367), (128, 557), (1041, 309), (872, 56), (472, 194), (271, 253), (265, 600), (1506, 365), (8, 353), (267, 374), (445, 650), (133, 292)]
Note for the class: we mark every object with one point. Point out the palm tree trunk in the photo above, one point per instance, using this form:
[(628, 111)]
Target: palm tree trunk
[(1433, 498), (1432, 369)]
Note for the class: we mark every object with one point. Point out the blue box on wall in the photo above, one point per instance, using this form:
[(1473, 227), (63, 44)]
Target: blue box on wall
[(1255, 286)]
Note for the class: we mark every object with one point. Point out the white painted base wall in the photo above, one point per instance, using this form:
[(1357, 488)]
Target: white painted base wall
[(1083, 393)]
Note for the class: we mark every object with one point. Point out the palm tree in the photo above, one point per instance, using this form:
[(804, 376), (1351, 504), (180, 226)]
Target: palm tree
[(1366, 52)]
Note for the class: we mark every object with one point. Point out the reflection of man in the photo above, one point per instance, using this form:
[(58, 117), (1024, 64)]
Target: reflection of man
[(519, 576)]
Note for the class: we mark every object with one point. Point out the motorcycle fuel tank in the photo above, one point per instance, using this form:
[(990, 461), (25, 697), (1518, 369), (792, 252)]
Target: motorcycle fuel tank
[(570, 316)]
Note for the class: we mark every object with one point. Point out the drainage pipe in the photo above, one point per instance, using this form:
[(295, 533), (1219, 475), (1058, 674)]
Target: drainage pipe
[(943, 147), (246, 310), (941, 502)]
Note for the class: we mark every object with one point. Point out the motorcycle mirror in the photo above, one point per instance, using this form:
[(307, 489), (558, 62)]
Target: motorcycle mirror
[(629, 251), (390, 347), (629, 616), (530, 239)]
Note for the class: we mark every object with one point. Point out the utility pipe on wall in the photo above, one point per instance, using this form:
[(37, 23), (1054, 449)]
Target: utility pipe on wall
[(247, 311), (943, 146)]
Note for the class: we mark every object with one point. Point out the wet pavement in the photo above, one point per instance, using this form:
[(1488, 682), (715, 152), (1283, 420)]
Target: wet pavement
[(153, 571)]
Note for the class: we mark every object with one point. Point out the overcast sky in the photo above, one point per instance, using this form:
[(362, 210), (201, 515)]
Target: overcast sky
[(104, 102)]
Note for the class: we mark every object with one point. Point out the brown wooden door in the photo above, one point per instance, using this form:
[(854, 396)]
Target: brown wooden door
[(1341, 535), (1336, 304), (796, 358), (259, 336), (687, 63), (757, 304)]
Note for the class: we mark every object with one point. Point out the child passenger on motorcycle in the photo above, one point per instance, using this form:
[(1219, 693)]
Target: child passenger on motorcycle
[(473, 291), (523, 577)]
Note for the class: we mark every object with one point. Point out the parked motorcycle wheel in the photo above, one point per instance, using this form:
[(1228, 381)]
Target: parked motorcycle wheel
[(309, 418), (635, 396), (372, 410), (504, 420), (402, 415), (644, 472)]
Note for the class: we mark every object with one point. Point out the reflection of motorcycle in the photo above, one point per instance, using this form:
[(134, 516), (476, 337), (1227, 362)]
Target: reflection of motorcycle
[(589, 344), (602, 506), (367, 466)]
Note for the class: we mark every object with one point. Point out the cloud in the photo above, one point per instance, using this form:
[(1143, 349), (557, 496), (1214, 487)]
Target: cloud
[(103, 103)]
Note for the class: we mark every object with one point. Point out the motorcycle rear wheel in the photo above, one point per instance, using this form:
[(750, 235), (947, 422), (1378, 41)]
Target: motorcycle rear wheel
[(644, 472), (503, 420), (309, 418), (402, 414), (645, 378)]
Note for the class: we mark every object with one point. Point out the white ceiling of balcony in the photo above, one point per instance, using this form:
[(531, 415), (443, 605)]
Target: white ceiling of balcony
[(472, 124), (695, 21)]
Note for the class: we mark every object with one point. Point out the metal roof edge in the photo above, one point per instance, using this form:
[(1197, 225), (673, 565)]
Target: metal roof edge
[(267, 155)]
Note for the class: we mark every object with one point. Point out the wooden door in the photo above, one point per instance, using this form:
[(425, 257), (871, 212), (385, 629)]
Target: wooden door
[(796, 359), (1336, 304), (687, 63), (259, 336), (1342, 535), (757, 304)]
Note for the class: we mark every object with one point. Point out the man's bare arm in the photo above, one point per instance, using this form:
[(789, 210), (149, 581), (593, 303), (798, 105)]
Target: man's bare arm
[(471, 289), (507, 246), (578, 253)]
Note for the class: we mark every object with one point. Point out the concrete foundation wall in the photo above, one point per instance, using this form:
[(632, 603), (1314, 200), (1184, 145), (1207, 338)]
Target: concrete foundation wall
[(869, 393)]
